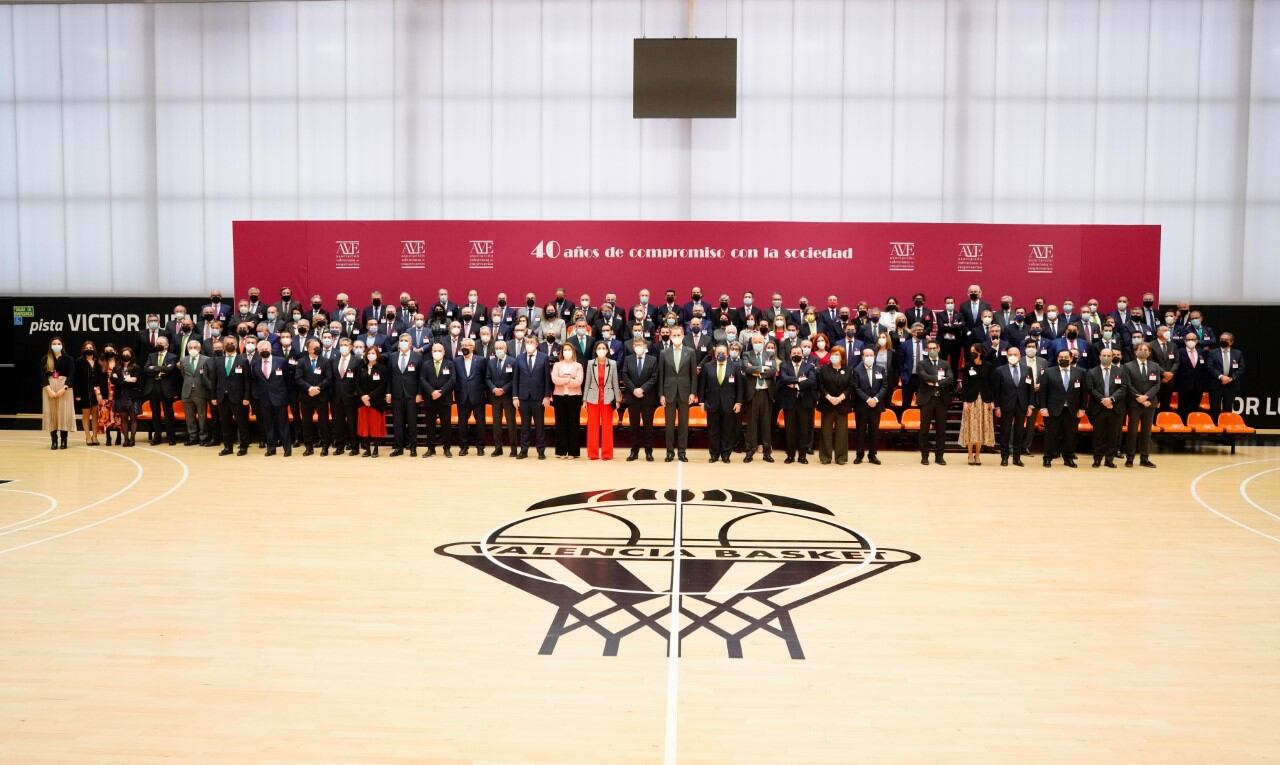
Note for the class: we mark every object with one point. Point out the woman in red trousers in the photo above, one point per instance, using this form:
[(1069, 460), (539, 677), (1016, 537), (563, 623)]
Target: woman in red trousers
[(601, 396)]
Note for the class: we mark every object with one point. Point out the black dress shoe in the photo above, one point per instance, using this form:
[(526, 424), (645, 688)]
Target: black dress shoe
[(633, 456), (939, 461), (714, 458), (496, 452), (396, 452), (541, 455), (512, 454), (1097, 462), (857, 460), (803, 460), (683, 457), (480, 451), (648, 457), (1147, 463), (748, 458), (1128, 462), (308, 452), (448, 452), (767, 457), (523, 455), (462, 453), (725, 457), (924, 460), (873, 459), (288, 451), (430, 452), (242, 451), (671, 456), (413, 451), (1109, 462), (1070, 463), (1004, 462), (1017, 461), (789, 460), (324, 451), (271, 451), (1048, 462)]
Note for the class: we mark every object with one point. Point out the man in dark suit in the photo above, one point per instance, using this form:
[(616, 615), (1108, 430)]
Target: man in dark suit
[(760, 369), (289, 352), (404, 395), (1193, 377), (470, 394), (346, 399), (1142, 377), (870, 397), (499, 377), (1037, 367), (911, 352), (270, 389), (436, 383), (1061, 402), (749, 314), (231, 392), (1011, 394), (937, 384), (532, 388), (1226, 365), (162, 388), (197, 389), (951, 332), (918, 313), (372, 338), (287, 304), (313, 380), (971, 310), (677, 384), (1164, 353), (720, 390), (1107, 393), (221, 311), (696, 301), (798, 397), (609, 318), (639, 376)]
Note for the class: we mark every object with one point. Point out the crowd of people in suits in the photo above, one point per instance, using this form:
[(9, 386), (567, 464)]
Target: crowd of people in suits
[(328, 379)]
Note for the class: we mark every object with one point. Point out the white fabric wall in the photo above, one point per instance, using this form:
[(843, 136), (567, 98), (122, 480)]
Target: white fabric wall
[(131, 135)]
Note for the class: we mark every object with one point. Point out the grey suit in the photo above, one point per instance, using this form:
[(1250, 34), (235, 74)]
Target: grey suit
[(1167, 359), (591, 393), (1041, 369), (759, 400), (197, 389), (677, 382), (1138, 439)]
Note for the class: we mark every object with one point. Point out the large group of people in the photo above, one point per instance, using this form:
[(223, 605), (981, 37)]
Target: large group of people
[(327, 379)]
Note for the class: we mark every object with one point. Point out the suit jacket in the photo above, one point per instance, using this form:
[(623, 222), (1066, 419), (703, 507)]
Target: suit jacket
[(270, 390), (1167, 357), (972, 318), (1058, 399), (675, 382), (592, 393), (1139, 385), (936, 379), (830, 325), (1234, 368), (1007, 393), (234, 386), (162, 376), (445, 382), (907, 357), (500, 374), (532, 381), (797, 387), (372, 383), (835, 382), (642, 376), (197, 379), (306, 378), (762, 366), (468, 388), (922, 315), (1190, 378), (345, 386), (1096, 381), (402, 385), (951, 330), (720, 395), (877, 387)]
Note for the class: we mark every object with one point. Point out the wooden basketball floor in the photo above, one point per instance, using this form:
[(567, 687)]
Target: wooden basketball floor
[(169, 604)]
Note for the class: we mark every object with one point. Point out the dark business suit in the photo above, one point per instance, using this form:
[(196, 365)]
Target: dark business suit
[(937, 384), (1166, 357), (835, 417), (1106, 383), (719, 391), (1222, 396), (345, 402), (1061, 398), (798, 397), (438, 408), (500, 375), (951, 334), (757, 400), (640, 373), (162, 389), (1011, 394), (676, 383), (272, 393), (1141, 379), (231, 392), (314, 373), (470, 393), (1192, 379), (403, 388), (532, 385), (868, 384)]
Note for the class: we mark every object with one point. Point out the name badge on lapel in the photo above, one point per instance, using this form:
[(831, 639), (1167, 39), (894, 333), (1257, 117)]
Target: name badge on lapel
[(350, 374), (279, 373), (1152, 377), (1076, 384), (377, 376), (411, 368), (445, 370), (239, 370), (293, 362)]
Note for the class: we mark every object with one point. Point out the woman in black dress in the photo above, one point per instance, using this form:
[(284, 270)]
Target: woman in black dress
[(371, 389), (86, 380), (126, 379), (835, 399)]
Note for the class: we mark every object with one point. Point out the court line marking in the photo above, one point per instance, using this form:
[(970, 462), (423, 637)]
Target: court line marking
[(673, 630), (136, 478), (1196, 495), (186, 473), (1244, 491), (53, 505)]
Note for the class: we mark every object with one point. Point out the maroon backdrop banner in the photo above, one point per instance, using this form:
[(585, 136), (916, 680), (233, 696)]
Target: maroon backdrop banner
[(853, 260)]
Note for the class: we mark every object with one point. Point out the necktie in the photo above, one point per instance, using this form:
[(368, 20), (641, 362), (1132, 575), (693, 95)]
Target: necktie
[(1106, 382), (639, 363), (1226, 362), (230, 361), (437, 369), (720, 373), (342, 368), (153, 338), (404, 360), (1142, 368), (1193, 359), (266, 369)]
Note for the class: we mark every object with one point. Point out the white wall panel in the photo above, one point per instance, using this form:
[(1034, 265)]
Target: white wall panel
[(135, 133)]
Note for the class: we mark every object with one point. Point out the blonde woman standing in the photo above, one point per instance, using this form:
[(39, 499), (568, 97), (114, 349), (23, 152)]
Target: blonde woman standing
[(58, 375)]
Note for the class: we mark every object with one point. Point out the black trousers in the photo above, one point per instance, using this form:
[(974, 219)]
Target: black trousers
[(640, 412), (162, 416), (1222, 398), (233, 416), (1138, 439), (317, 431), (866, 423), (835, 436), (437, 410), (798, 423), (1106, 432), (933, 414), (1012, 430), (677, 434), (722, 431), (1060, 434), (404, 422), (1189, 400), (295, 406), (951, 351), (467, 412), (504, 411), (275, 423), (345, 416), (532, 423), (759, 423), (568, 432)]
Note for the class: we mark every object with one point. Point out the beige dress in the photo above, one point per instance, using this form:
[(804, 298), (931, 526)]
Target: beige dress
[(58, 413), (977, 426)]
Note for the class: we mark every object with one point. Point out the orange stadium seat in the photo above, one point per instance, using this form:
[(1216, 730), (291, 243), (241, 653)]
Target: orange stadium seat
[(1170, 422)]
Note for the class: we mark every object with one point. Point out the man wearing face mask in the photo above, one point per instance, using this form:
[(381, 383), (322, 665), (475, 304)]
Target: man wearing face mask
[(609, 319), (1193, 376), (436, 386), (1226, 368), (314, 382), (1107, 398), (910, 353), (1142, 378), (870, 397), (760, 369), (1011, 392), (163, 386), (197, 388), (971, 309), (798, 397), (698, 340), (268, 386), (1071, 341), (287, 304), (499, 379), (1164, 354), (1061, 402), (720, 390), (677, 384), (919, 313), (639, 375), (450, 308), (937, 384), (1053, 326), (392, 325), (1121, 314), (345, 402), (749, 314), (951, 332), (470, 393), (404, 394), (373, 311), (695, 301), (532, 388), (231, 376)]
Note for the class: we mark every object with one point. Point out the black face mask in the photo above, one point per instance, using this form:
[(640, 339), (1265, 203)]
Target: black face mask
[(377, 301), (891, 307), (844, 317), (861, 312), (316, 305), (724, 303), (973, 296), (795, 357), (1071, 335), (804, 304), (1064, 364), (1039, 306), (1004, 305), (502, 303), (696, 296), (919, 303), (529, 302), (341, 304)]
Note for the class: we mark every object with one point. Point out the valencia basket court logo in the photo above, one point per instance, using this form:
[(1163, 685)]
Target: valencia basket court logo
[(606, 561)]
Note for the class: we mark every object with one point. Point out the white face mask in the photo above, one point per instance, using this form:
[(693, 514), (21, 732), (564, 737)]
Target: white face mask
[(1052, 315), (746, 302), (602, 352), (867, 361), (986, 321), (56, 347), (1013, 361), (437, 355), (568, 355), (404, 345), (677, 341), (882, 342), (345, 350), (641, 351), (585, 303), (501, 353)]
